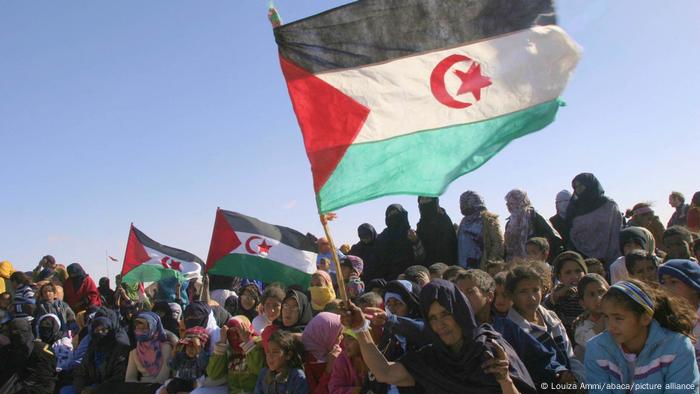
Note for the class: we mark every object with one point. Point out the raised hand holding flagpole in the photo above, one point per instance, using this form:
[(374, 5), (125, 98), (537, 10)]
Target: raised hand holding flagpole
[(325, 218)]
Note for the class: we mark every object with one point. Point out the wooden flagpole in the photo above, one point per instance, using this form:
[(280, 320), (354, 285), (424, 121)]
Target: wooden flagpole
[(325, 218)]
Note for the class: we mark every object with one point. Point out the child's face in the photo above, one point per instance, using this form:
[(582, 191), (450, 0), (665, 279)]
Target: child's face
[(644, 270), (680, 289), (623, 324), (323, 265), (630, 247), (192, 349), (347, 271), (397, 307), (570, 273), (677, 247), (352, 348), (272, 308), (501, 301), (596, 269), (527, 296), (534, 253), (477, 299), (290, 312), (247, 299), (593, 296), (492, 271), (275, 357), (423, 279), (316, 281), (48, 294)]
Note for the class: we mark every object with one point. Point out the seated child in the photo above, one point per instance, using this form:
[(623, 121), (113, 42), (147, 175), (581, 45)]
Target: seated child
[(641, 265), (349, 370), (569, 268), (682, 279), (283, 373), (540, 362), (5, 302), (537, 249), (524, 285), (595, 266), (590, 323), (271, 302), (321, 290), (646, 343), (238, 356), (494, 267), (631, 238), (437, 270), (190, 361), (321, 339), (501, 301), (678, 241)]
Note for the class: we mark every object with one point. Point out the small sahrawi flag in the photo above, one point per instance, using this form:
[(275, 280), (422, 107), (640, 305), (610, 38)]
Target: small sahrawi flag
[(146, 260), (404, 96), (247, 247)]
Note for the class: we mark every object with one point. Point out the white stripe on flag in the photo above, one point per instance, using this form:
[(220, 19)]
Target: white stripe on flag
[(295, 258), (526, 68)]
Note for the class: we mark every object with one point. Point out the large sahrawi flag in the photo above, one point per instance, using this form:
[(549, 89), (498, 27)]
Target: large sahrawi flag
[(247, 247), (146, 260), (404, 96)]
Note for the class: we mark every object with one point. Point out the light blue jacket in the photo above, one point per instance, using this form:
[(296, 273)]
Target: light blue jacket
[(666, 364)]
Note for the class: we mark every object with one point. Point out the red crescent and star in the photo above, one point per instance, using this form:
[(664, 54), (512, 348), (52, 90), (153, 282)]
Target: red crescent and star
[(263, 247), (167, 262), (472, 81)]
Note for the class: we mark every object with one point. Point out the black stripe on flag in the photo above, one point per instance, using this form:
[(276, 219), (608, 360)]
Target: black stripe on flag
[(177, 254), (286, 235), (372, 31)]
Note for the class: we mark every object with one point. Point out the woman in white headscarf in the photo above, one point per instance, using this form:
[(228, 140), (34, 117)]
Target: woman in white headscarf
[(524, 223), (558, 221)]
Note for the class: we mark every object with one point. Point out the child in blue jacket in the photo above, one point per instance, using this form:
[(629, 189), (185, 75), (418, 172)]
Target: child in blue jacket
[(646, 347)]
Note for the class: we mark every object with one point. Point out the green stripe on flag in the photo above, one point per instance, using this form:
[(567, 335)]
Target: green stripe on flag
[(425, 162), (151, 273), (255, 267)]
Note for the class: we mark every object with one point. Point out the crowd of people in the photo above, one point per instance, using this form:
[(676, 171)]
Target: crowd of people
[(590, 299)]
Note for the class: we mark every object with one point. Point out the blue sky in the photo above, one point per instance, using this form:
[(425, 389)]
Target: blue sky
[(158, 112)]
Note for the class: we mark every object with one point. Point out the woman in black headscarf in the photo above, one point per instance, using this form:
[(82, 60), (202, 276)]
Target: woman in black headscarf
[(26, 365), (366, 250), (167, 317), (296, 312), (106, 293), (398, 246), (436, 232), (593, 221), (461, 356), (200, 314), (106, 359), (246, 303), (197, 314)]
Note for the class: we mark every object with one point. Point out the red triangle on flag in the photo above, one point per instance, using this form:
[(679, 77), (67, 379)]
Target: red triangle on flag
[(223, 240), (135, 253), (329, 119)]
